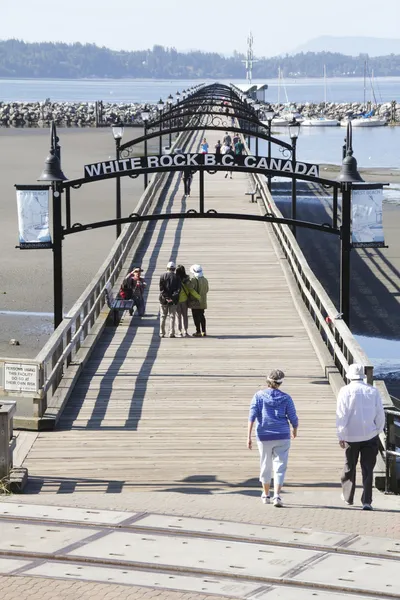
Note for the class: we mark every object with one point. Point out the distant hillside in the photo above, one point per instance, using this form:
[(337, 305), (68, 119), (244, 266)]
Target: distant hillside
[(352, 46), (74, 61)]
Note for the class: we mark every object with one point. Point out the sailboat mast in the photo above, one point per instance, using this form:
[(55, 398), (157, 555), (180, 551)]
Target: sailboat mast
[(365, 85), (279, 86), (325, 86)]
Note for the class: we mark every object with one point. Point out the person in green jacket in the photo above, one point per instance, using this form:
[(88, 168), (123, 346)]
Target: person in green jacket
[(200, 285), (186, 294)]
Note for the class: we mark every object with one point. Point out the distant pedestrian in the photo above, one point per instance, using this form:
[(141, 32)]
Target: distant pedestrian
[(187, 292), (360, 419), (227, 149), (239, 147), (235, 139), (133, 288), (227, 140), (200, 285), (274, 412), (204, 146), (187, 176), (218, 147), (170, 287)]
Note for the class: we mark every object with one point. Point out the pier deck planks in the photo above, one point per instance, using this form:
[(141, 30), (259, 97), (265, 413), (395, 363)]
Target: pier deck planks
[(165, 414)]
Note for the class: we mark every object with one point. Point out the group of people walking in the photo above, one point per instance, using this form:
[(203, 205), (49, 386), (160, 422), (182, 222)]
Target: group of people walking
[(178, 294), (360, 418)]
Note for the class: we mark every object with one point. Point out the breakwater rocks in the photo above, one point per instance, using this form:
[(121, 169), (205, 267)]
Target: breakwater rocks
[(334, 110), (90, 114), (70, 114)]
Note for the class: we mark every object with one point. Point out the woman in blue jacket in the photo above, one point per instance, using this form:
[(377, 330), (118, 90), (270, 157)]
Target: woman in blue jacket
[(275, 412)]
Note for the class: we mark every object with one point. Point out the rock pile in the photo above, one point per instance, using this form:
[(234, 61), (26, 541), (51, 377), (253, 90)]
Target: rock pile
[(83, 114), (338, 110), (68, 114)]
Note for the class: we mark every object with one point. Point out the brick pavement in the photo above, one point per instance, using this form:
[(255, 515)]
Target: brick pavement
[(34, 588), (317, 508)]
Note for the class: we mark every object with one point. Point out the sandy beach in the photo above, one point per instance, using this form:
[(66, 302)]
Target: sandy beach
[(26, 275)]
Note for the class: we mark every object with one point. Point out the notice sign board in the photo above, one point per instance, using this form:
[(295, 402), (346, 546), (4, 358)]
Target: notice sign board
[(21, 378)]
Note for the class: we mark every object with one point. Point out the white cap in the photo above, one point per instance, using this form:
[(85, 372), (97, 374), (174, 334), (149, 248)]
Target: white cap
[(355, 372), (171, 265)]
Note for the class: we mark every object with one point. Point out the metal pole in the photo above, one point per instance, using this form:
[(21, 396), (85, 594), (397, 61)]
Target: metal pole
[(170, 125), (57, 255), (160, 138), (335, 207), (269, 153), (118, 193), (145, 153), (294, 199), (345, 248), (201, 176)]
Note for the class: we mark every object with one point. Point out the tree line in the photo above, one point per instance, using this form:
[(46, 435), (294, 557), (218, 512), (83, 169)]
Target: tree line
[(73, 61)]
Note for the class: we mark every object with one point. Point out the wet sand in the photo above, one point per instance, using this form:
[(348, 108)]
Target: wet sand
[(26, 282)]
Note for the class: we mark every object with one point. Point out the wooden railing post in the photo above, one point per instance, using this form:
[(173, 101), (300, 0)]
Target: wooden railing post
[(7, 411)]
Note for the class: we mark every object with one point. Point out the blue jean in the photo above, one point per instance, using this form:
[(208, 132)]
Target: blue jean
[(139, 303), (273, 454)]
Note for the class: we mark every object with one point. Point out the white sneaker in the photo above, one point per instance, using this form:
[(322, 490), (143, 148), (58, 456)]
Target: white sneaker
[(265, 499), (277, 501)]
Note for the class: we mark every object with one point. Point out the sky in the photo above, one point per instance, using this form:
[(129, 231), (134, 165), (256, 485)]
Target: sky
[(202, 24)]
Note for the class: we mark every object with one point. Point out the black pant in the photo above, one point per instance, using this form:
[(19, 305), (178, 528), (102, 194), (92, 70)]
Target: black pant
[(367, 451), (187, 182), (199, 319)]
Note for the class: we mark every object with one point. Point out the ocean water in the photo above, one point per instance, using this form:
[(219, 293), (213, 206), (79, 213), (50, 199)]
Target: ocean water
[(373, 147), (144, 90)]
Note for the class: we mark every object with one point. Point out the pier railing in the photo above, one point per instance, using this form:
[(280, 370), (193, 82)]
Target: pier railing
[(61, 360), (7, 441), (338, 338)]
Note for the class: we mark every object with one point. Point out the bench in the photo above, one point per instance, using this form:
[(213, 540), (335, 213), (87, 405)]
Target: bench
[(117, 305), (252, 193)]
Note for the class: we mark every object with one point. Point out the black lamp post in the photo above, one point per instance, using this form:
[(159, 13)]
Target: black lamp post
[(294, 131), (348, 175), (160, 107), (145, 118), (169, 102), (256, 107), (269, 115), (53, 174), (118, 132), (178, 97)]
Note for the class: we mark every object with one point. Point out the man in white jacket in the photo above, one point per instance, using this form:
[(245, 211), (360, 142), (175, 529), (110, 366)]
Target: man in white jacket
[(360, 419)]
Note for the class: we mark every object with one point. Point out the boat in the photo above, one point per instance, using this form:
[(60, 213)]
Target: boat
[(366, 119), (369, 120), (322, 120), (289, 113)]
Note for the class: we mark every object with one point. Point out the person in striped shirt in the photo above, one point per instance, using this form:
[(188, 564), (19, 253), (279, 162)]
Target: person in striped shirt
[(274, 412)]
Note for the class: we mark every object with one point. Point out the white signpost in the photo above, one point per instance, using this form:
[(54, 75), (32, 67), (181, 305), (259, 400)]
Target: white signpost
[(20, 377)]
